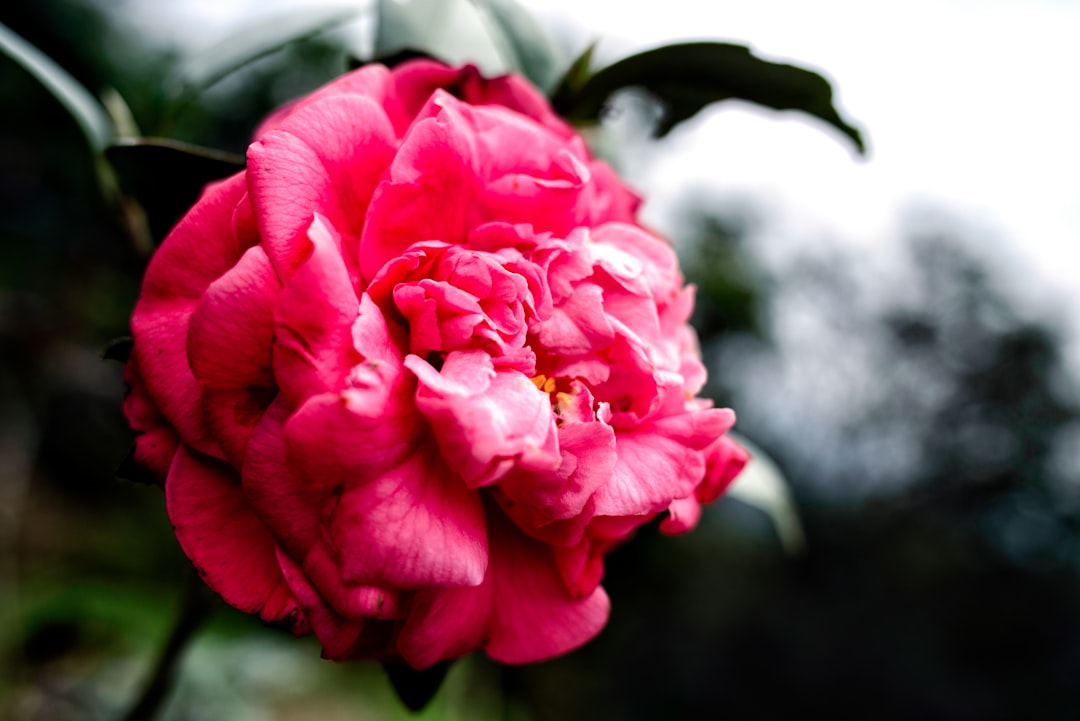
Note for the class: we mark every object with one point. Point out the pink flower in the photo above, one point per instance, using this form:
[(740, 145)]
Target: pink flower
[(416, 370)]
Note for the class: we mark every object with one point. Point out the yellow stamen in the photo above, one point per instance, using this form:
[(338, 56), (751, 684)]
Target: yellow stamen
[(544, 383)]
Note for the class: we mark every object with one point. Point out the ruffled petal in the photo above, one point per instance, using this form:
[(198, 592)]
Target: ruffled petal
[(486, 421), (287, 503), (587, 448), (432, 182), (337, 635)]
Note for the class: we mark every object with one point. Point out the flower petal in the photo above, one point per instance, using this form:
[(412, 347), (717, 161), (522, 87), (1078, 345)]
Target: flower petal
[(313, 348), (156, 441), (200, 249), (230, 547), (431, 184), (414, 526), (486, 421), (232, 327), (660, 463)]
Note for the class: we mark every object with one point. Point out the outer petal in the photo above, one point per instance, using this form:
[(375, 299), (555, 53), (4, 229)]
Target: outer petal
[(683, 515), (724, 460), (521, 613), (200, 249), (221, 535)]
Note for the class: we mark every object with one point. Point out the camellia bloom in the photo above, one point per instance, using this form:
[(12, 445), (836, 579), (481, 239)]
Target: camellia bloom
[(410, 375)]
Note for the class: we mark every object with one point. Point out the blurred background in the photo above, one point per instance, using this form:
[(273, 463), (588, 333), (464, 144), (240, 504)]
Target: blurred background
[(897, 333)]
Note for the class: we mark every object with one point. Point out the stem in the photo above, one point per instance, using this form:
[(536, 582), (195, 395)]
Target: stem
[(196, 607)]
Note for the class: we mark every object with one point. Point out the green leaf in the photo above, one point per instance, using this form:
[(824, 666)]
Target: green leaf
[(521, 41), (253, 42), (166, 176), (416, 688), (686, 77), (762, 485), (574, 79), (80, 102)]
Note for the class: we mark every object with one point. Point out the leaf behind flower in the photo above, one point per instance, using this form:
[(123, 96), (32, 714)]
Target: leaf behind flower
[(686, 77), (521, 40)]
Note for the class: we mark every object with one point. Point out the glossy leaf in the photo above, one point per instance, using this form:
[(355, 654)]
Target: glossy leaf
[(166, 176), (521, 41), (254, 41), (686, 77), (80, 102)]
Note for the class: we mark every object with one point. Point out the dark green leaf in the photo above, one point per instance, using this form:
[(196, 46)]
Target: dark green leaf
[(574, 79), (166, 176), (118, 350), (416, 688), (80, 102), (253, 42), (687, 77), (521, 41)]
